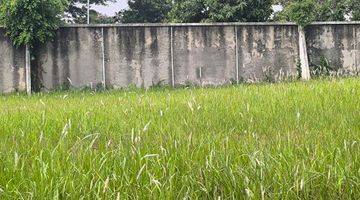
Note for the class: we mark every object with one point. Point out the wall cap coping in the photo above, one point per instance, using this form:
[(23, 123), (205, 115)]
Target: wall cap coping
[(204, 24), (178, 24)]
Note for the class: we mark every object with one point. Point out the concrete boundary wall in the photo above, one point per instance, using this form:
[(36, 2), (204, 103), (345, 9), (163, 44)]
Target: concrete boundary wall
[(157, 54), (74, 58), (12, 66), (338, 44), (146, 55)]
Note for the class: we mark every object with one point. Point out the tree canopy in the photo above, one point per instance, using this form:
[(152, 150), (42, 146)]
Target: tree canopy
[(300, 11), (195, 11), (221, 11), (144, 11), (77, 11), (305, 11), (31, 22), (354, 9)]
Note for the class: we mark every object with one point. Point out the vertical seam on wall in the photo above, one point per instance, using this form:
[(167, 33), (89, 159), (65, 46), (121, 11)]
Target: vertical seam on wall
[(354, 53), (303, 54), (172, 56), (27, 70), (103, 58), (237, 55)]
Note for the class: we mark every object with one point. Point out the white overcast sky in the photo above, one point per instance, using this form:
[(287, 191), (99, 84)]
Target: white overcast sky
[(111, 8)]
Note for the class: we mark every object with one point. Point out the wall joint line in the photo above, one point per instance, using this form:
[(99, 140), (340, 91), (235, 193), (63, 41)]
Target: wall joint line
[(172, 56), (27, 70), (354, 52), (237, 55), (103, 58)]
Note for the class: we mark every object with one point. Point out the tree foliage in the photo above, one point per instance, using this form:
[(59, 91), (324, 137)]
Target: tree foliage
[(145, 11), (300, 11), (238, 10), (354, 9), (196, 11), (187, 11), (331, 10), (31, 22), (304, 12), (98, 18), (77, 10)]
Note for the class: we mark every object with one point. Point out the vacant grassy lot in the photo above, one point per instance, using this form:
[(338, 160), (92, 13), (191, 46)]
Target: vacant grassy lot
[(289, 140)]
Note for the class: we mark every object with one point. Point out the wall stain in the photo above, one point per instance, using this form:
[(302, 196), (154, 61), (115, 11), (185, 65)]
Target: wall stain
[(55, 65), (129, 43), (223, 50), (205, 36), (141, 43), (249, 39), (182, 50), (169, 54), (65, 37), (240, 46), (154, 49), (107, 55), (16, 67), (2, 82), (75, 35), (4, 42), (192, 45), (337, 56)]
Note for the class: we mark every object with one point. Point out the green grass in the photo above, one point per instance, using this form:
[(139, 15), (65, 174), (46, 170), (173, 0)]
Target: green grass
[(280, 141)]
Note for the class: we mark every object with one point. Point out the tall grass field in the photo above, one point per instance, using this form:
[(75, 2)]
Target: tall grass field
[(295, 140)]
